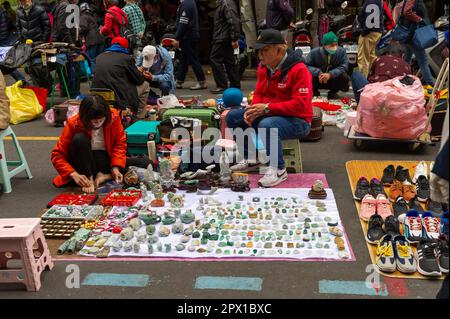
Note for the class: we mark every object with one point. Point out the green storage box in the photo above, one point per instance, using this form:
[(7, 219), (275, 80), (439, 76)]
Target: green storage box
[(139, 134), (208, 116)]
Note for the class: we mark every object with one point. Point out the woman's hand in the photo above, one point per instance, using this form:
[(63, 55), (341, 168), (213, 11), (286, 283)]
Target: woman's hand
[(80, 180), (117, 175)]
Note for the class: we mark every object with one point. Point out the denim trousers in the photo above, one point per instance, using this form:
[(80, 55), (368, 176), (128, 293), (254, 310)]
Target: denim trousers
[(288, 128), (359, 81)]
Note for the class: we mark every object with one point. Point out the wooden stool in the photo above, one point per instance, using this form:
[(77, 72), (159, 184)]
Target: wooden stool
[(22, 240), (292, 155), (20, 165)]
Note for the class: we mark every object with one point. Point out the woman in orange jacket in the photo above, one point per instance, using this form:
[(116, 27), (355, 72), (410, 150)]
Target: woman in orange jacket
[(92, 147)]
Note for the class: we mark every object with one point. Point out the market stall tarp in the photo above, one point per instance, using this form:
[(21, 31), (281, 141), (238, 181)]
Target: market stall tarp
[(330, 254), (371, 169)]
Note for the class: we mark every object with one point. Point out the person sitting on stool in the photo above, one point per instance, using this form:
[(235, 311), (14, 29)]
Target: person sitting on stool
[(156, 65), (92, 147), (282, 101), (328, 66)]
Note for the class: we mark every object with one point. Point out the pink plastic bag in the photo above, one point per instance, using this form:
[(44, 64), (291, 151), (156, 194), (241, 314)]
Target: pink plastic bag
[(391, 109)]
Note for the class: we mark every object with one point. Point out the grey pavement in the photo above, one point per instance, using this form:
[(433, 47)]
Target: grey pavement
[(171, 279)]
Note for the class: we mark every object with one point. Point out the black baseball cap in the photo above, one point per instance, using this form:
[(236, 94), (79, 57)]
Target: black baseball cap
[(268, 37)]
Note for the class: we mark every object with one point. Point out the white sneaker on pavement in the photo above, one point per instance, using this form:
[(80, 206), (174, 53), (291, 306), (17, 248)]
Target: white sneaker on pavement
[(273, 177), (245, 166), (421, 169)]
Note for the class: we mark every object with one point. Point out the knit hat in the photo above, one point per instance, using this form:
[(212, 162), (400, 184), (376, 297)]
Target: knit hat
[(329, 38), (120, 41), (232, 97)]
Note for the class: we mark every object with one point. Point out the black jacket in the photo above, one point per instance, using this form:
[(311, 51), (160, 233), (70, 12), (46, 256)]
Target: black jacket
[(367, 11), (279, 14), (227, 22), (4, 26), (60, 31), (116, 71), (187, 21), (89, 29), (35, 25)]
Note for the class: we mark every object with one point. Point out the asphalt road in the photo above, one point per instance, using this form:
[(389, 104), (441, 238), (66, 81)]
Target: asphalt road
[(177, 279)]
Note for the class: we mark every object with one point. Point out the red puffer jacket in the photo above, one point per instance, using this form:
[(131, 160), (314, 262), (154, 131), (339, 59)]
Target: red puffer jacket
[(115, 141), (111, 27), (288, 91)]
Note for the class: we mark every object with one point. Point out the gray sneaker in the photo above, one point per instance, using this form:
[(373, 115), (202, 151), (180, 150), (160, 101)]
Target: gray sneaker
[(273, 177), (246, 166), (404, 257), (199, 86), (385, 260)]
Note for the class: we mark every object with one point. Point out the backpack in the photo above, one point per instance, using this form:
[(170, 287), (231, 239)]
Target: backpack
[(125, 32)]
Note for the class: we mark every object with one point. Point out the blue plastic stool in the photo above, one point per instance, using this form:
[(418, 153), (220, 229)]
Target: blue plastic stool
[(20, 165)]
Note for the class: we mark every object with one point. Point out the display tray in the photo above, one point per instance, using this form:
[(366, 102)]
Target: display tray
[(73, 199), (371, 169)]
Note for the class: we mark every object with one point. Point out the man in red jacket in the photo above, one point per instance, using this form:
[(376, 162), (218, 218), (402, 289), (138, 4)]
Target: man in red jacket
[(282, 102), (114, 18)]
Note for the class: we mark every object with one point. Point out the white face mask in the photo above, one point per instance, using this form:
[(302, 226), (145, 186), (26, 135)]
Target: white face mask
[(96, 124)]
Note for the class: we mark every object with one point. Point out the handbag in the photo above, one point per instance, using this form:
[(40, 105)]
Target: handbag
[(425, 36)]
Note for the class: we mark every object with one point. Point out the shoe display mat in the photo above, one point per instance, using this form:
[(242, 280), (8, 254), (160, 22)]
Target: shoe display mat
[(313, 254), (374, 169)]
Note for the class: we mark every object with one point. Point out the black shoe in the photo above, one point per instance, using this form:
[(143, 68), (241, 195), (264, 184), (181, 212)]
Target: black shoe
[(434, 207), (392, 226), (402, 174), (376, 188), (400, 206), (414, 204), (423, 189), (375, 230), (442, 255), (217, 91), (362, 189), (427, 261), (333, 96), (388, 175)]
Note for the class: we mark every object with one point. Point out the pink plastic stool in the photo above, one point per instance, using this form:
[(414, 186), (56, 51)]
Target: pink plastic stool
[(22, 240)]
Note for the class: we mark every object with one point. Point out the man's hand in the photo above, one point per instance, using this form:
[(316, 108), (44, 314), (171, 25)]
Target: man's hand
[(141, 69), (80, 180), (235, 44), (176, 44), (292, 25), (140, 35), (148, 75), (253, 112), (324, 77), (117, 175)]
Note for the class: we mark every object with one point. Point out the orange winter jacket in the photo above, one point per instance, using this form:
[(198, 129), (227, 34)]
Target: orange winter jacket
[(115, 141)]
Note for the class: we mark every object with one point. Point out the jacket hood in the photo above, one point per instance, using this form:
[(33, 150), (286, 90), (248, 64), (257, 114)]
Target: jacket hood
[(293, 58)]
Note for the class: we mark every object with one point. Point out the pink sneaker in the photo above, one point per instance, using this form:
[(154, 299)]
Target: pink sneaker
[(368, 207), (383, 206)]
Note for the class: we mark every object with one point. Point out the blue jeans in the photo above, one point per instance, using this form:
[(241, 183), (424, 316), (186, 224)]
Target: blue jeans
[(422, 60), (93, 51), (359, 81), (288, 128)]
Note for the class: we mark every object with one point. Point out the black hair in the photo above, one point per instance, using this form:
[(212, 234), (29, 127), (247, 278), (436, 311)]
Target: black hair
[(395, 49), (94, 107)]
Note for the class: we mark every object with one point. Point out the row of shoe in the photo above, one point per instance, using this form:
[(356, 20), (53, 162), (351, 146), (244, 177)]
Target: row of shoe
[(416, 227), (363, 188), (395, 253), (401, 174)]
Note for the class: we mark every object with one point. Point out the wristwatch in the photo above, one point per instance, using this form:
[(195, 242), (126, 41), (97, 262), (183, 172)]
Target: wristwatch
[(266, 109)]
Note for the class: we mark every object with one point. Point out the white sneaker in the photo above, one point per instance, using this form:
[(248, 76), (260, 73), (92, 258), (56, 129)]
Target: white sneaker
[(421, 169), (273, 177), (245, 166)]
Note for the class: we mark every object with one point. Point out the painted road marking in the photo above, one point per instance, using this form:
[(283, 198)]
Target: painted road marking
[(229, 283), (34, 138), (350, 288), (397, 287), (118, 280)]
